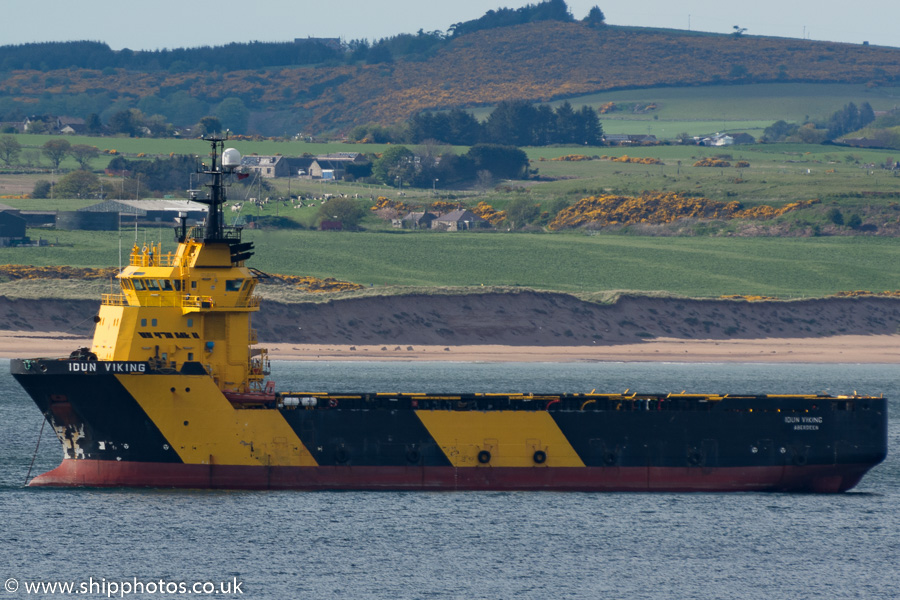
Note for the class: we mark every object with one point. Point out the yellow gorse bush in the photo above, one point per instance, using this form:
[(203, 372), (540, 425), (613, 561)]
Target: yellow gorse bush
[(64, 272), (572, 157), (861, 293), (383, 202), (488, 213), (444, 206), (748, 298), (316, 285), (712, 162), (646, 160), (658, 208)]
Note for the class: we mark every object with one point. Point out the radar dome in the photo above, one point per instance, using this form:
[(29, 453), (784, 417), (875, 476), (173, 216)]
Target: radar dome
[(231, 158)]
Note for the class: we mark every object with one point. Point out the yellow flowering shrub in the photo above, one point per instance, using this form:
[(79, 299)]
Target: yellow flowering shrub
[(712, 162), (861, 293), (63, 272), (488, 213), (572, 157), (658, 208), (443, 206), (308, 283), (383, 202), (750, 298), (646, 160)]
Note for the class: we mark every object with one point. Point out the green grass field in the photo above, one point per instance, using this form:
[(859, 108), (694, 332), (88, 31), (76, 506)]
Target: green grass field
[(697, 267), (705, 265), (707, 109)]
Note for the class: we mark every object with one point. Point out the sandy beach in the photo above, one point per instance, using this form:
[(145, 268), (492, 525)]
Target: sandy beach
[(873, 349)]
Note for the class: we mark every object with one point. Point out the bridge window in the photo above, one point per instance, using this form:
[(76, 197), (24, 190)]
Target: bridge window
[(143, 322), (233, 285), (177, 283), (166, 285), (152, 285), (138, 284), (153, 322)]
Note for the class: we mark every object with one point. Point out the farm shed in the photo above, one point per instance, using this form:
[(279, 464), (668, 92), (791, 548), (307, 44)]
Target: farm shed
[(151, 211), (12, 227)]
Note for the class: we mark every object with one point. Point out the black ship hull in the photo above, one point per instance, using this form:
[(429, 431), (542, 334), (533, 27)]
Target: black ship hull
[(127, 424)]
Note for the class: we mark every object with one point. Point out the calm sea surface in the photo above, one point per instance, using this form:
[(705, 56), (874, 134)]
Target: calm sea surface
[(287, 545)]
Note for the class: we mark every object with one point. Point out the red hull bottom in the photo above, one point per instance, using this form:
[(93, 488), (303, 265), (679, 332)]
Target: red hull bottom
[(787, 478)]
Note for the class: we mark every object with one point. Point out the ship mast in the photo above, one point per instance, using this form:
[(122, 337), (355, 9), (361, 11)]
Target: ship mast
[(216, 197)]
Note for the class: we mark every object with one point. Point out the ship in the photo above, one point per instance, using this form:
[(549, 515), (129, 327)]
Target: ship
[(175, 391)]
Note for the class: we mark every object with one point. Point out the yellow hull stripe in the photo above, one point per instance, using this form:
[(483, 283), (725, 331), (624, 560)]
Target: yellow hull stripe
[(511, 437), (203, 427)]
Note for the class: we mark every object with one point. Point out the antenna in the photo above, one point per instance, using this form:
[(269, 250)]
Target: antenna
[(231, 159)]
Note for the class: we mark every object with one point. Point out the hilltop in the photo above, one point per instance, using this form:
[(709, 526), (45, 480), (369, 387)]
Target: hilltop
[(539, 62)]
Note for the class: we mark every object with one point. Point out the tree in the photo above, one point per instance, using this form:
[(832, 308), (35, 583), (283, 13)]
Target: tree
[(513, 122), (84, 154), (346, 210), (56, 150), (77, 184), (866, 114), (10, 148), (209, 125), (566, 127), (779, 130), (595, 17), (93, 124), (506, 162), (834, 215), (396, 164), (41, 189), (126, 121), (521, 211), (233, 114)]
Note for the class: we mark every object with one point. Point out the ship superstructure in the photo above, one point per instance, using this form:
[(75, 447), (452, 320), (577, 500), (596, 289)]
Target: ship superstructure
[(174, 392)]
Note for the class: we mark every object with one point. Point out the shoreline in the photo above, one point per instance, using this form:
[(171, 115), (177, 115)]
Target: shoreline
[(867, 349)]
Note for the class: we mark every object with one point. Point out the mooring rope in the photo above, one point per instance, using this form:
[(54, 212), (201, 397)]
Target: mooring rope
[(40, 435)]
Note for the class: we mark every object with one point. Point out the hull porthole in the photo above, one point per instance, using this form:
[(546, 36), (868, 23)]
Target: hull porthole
[(484, 457), (540, 457)]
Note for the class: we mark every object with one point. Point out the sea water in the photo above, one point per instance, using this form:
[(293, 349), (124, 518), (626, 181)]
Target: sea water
[(468, 545)]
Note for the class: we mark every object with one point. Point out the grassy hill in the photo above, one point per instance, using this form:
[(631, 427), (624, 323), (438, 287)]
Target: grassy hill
[(541, 61)]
